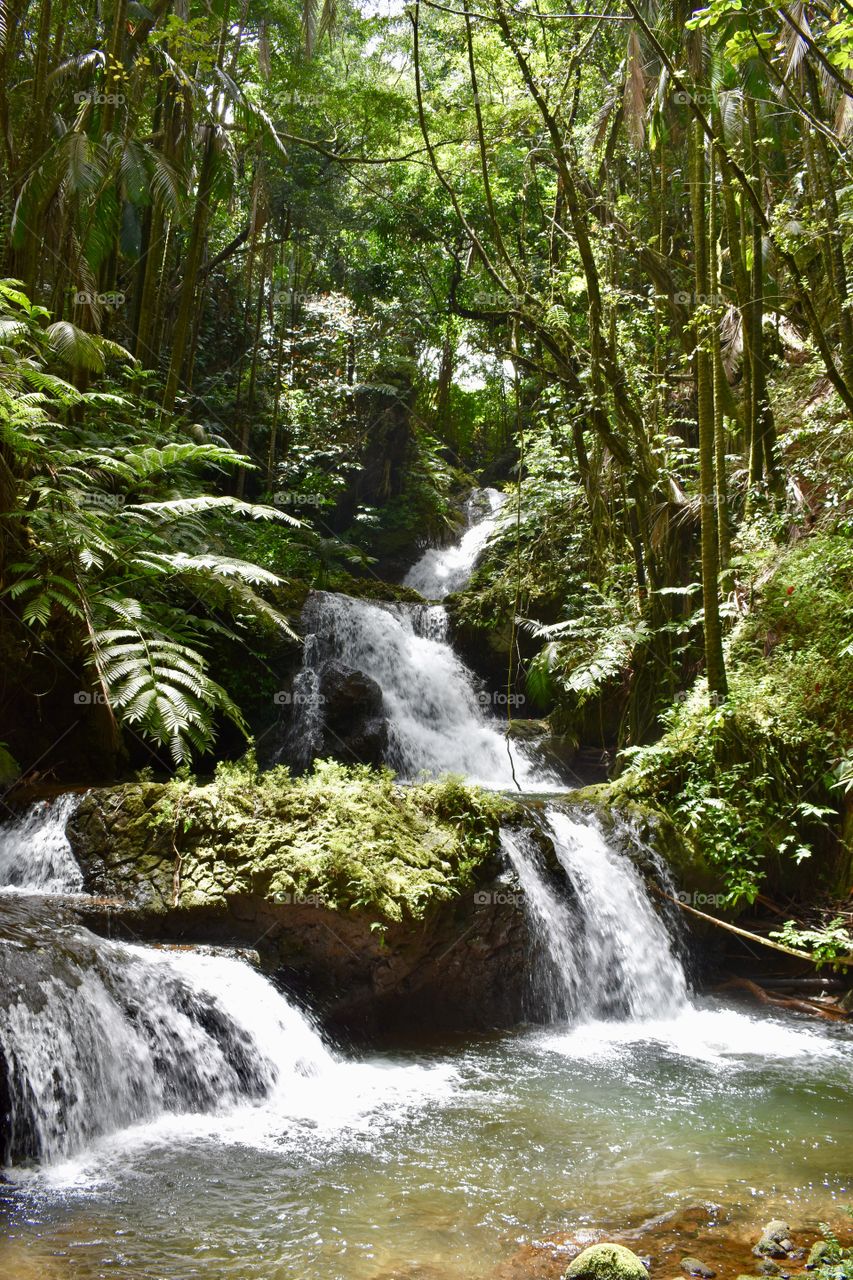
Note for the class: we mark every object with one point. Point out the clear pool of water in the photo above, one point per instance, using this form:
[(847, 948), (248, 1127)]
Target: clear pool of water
[(439, 1163)]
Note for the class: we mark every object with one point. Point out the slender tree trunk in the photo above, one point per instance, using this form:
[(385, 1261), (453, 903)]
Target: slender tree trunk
[(762, 459), (719, 374), (195, 246), (837, 272), (714, 663)]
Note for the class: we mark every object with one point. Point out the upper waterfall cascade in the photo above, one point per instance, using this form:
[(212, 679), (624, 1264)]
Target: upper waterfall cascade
[(441, 570), (439, 719)]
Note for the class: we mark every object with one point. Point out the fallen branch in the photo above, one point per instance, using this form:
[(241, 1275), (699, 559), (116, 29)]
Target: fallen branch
[(845, 962), (828, 1012)]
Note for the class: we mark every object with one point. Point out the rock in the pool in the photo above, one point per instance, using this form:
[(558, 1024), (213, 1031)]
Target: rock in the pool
[(606, 1262), (696, 1267), (775, 1241)]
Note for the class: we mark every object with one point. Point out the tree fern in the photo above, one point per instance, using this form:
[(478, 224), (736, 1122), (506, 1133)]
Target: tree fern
[(106, 553)]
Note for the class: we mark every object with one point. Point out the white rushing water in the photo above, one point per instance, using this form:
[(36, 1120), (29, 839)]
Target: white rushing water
[(441, 570), (604, 950), (438, 722), (114, 1034), (35, 856), (439, 719)]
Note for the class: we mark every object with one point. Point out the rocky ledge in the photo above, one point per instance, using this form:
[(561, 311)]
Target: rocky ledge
[(385, 907)]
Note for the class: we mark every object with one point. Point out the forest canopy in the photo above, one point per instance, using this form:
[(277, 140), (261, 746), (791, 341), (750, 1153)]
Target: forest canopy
[(281, 282)]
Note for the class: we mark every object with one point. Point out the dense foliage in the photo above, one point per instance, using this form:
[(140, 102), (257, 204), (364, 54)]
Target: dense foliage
[(282, 281)]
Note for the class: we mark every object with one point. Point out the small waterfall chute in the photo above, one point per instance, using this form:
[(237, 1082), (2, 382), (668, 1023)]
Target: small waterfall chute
[(604, 951), (441, 570), (96, 1036), (437, 720), (35, 855)]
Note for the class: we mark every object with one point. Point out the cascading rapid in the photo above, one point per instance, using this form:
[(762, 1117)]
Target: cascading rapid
[(602, 951), (98, 1035), (35, 856), (381, 681)]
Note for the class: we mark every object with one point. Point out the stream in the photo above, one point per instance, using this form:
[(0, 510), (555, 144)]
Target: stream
[(173, 1115)]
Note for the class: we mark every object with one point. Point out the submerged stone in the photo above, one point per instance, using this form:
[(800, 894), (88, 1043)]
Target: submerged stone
[(695, 1267)]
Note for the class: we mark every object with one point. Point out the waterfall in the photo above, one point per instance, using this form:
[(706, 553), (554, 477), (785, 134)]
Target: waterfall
[(35, 856), (98, 1035), (436, 717), (441, 570), (602, 949)]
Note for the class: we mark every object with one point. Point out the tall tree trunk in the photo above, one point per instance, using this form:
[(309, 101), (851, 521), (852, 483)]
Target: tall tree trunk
[(719, 374), (762, 459), (195, 246), (837, 273), (714, 663)]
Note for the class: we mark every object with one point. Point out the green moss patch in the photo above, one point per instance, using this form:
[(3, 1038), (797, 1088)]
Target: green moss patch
[(346, 838)]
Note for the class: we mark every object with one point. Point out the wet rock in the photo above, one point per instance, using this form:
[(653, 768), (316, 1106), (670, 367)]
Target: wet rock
[(260, 867), (695, 1267), (351, 708), (775, 1241), (769, 1268), (606, 1262), (819, 1253)]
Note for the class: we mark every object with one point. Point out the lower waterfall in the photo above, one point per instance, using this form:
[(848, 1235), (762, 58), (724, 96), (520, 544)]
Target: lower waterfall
[(98, 1035), (602, 949)]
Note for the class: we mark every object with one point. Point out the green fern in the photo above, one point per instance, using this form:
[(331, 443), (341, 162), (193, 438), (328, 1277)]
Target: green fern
[(107, 555)]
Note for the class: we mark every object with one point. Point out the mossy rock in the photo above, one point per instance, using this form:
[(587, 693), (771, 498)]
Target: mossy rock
[(344, 838), (606, 1262)]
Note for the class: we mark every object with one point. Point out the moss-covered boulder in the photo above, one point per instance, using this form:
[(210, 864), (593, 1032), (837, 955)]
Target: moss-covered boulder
[(606, 1262), (344, 838), (364, 896)]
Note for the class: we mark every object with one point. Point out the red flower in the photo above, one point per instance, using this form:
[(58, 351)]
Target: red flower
[(790, 591)]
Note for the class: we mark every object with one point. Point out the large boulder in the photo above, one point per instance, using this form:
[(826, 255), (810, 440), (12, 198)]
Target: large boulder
[(606, 1262), (353, 727), (373, 903)]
